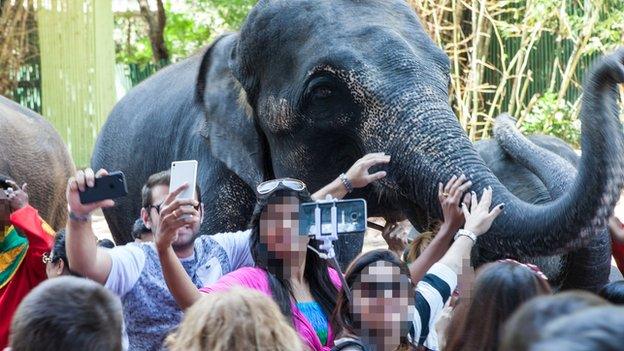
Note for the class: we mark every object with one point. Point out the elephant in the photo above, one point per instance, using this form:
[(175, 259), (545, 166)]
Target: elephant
[(308, 87), (539, 169), (34, 153)]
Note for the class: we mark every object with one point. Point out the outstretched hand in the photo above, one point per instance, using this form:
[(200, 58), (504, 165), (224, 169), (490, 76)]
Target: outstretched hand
[(79, 183), (450, 196), (479, 218), (358, 173)]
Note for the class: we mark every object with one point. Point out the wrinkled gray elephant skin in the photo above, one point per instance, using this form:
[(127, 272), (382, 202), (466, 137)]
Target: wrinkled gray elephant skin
[(308, 87)]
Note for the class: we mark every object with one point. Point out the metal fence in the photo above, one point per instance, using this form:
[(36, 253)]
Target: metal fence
[(28, 91)]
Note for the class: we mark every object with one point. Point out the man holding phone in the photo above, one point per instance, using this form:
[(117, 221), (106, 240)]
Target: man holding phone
[(133, 271)]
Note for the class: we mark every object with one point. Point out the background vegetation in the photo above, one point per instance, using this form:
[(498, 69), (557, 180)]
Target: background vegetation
[(525, 57)]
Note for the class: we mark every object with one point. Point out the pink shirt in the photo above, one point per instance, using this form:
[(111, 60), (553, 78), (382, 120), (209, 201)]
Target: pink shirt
[(256, 278)]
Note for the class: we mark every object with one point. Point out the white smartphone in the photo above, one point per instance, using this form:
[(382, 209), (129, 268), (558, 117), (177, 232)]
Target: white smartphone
[(184, 172)]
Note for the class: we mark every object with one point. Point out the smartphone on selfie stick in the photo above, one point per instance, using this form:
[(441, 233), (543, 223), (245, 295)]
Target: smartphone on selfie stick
[(325, 220)]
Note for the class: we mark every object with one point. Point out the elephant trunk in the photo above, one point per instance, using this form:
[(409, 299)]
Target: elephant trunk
[(437, 148), (589, 266)]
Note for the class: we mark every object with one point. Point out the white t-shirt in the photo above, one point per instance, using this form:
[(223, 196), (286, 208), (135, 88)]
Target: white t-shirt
[(128, 261), (431, 295)]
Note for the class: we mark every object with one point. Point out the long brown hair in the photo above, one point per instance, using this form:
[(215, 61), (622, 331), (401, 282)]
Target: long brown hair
[(499, 289)]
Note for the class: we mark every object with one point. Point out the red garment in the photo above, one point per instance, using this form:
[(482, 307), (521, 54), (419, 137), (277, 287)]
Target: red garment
[(617, 249), (32, 270)]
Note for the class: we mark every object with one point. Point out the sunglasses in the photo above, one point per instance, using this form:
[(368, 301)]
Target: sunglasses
[(46, 257), (270, 185), (159, 207)]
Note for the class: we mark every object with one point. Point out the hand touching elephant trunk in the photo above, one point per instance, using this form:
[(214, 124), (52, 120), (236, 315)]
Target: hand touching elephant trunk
[(588, 266), (524, 229)]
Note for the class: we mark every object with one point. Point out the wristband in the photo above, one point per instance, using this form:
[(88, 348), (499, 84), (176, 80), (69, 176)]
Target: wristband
[(346, 182), (79, 218), (466, 233)]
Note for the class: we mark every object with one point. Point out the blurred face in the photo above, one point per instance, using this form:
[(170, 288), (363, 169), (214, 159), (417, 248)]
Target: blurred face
[(383, 303), (279, 229), (185, 235)]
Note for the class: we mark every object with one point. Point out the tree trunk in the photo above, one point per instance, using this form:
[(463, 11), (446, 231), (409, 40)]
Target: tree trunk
[(156, 29)]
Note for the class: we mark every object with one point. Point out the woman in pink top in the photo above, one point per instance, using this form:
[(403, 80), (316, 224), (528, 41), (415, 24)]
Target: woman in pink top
[(300, 282)]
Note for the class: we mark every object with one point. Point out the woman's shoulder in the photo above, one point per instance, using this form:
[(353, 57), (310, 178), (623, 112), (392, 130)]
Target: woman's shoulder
[(249, 277)]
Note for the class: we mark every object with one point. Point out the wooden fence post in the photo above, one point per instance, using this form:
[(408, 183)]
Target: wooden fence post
[(77, 70)]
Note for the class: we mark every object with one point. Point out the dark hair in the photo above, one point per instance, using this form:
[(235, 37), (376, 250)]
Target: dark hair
[(342, 316), (139, 228), (105, 243), (67, 313), (160, 178), (59, 253), (613, 292), (316, 269), (524, 326), (499, 289), (596, 328)]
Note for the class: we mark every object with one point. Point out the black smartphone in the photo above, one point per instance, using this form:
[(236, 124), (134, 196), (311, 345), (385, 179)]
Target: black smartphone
[(107, 187), (350, 217)]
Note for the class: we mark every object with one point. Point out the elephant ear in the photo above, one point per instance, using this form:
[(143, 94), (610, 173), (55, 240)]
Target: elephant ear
[(229, 126)]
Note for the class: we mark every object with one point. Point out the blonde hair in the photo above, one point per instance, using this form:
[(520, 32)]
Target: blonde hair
[(239, 319), (420, 243)]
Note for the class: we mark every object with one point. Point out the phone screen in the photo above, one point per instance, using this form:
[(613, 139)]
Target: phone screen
[(351, 217), (184, 172)]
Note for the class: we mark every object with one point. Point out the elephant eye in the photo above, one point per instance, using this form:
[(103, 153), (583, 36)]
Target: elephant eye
[(322, 92)]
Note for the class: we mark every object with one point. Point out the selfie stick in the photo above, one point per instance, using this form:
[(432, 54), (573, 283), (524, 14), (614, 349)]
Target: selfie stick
[(327, 241)]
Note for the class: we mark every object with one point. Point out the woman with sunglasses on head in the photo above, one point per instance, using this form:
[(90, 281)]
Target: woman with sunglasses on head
[(300, 282), (384, 311)]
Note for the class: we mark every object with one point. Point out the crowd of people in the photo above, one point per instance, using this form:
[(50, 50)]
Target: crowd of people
[(266, 288)]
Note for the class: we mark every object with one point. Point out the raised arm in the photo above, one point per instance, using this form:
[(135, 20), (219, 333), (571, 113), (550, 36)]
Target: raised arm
[(478, 221), (84, 256), (26, 218), (357, 176), (450, 196), (173, 215)]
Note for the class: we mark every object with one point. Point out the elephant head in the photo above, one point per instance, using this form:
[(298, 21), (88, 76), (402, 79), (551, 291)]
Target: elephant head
[(308, 87)]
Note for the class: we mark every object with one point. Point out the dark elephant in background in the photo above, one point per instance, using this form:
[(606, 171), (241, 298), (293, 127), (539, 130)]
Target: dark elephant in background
[(308, 87), (539, 169), (33, 152)]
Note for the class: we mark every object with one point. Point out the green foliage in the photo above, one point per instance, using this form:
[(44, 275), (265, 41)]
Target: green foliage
[(552, 117), (191, 24)]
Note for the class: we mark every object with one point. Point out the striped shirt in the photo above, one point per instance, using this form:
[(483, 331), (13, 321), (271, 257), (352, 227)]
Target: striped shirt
[(431, 294)]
